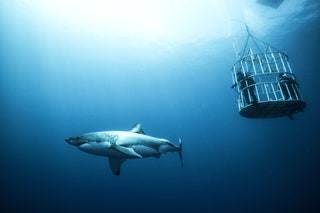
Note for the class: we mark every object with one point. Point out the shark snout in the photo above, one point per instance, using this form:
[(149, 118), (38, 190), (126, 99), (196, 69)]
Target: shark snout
[(76, 141), (69, 140)]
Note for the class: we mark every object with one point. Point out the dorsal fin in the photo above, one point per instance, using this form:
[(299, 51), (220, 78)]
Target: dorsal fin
[(137, 129)]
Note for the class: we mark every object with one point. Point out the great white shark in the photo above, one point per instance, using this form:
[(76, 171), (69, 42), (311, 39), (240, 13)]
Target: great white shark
[(119, 146)]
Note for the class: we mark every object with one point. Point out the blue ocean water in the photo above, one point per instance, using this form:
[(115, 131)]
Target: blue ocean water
[(57, 81)]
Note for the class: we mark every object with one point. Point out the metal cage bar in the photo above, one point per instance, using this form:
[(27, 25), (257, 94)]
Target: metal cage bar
[(273, 97)]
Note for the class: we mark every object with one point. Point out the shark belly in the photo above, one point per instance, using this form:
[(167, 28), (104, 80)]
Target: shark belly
[(101, 149), (145, 151)]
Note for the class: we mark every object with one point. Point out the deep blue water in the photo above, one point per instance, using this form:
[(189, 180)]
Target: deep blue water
[(54, 86)]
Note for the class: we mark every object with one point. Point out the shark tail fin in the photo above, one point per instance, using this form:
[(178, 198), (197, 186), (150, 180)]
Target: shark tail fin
[(180, 152)]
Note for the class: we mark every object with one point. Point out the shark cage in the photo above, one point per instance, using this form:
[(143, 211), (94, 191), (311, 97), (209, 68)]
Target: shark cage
[(264, 82)]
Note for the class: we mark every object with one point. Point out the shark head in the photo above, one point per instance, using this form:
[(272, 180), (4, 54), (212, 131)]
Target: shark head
[(76, 140), (96, 143), (82, 139)]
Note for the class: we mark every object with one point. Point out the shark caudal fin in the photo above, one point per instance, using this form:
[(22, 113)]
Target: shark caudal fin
[(180, 152)]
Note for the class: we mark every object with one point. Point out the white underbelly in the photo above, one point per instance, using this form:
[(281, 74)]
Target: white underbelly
[(102, 149), (145, 151)]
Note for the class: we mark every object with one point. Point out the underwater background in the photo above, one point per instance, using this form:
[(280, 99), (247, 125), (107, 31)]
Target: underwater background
[(72, 67)]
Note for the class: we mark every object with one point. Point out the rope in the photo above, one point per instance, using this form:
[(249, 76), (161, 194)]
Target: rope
[(254, 40), (230, 32)]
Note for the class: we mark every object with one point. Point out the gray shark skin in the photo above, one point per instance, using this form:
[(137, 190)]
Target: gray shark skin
[(119, 146)]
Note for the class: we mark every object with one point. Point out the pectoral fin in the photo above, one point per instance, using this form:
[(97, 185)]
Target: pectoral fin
[(127, 151), (115, 165)]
